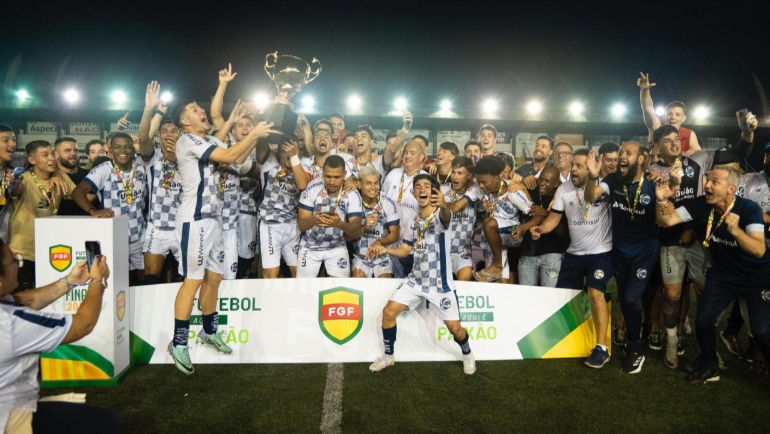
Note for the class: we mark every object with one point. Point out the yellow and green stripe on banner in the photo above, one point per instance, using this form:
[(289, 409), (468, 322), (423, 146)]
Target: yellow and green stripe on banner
[(73, 362), (569, 332)]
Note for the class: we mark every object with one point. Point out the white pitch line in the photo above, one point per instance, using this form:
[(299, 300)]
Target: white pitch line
[(331, 421)]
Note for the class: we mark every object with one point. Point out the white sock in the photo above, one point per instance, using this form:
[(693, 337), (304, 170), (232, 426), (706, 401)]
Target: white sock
[(671, 334), (603, 347)]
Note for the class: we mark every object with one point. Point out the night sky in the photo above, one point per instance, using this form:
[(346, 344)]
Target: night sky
[(466, 52)]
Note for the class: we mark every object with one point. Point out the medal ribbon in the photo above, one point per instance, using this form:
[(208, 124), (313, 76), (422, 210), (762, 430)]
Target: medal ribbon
[(48, 195), (401, 187), (127, 186), (421, 233), (580, 202), (167, 176), (709, 232), (636, 199)]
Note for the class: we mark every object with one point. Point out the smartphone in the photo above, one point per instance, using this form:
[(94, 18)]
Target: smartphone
[(742, 114), (93, 251), (17, 172)]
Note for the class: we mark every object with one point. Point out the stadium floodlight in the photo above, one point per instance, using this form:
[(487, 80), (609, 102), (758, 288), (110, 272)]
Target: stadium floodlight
[(118, 96), (576, 108), (660, 110), (71, 96), (400, 103), (446, 105), (166, 97), (618, 110), (534, 107), (308, 102), (354, 102), (22, 95), (489, 106), (701, 112), (261, 100)]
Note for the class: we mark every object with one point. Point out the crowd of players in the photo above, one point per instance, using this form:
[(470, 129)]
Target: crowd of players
[(210, 198)]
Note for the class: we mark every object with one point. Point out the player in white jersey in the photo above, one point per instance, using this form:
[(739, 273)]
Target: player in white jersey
[(431, 277), (199, 216), (283, 179), (328, 216), (230, 194), (122, 188), (25, 332), (365, 156), (503, 215), (461, 197), (588, 255), (398, 185), (163, 184), (251, 188), (381, 226)]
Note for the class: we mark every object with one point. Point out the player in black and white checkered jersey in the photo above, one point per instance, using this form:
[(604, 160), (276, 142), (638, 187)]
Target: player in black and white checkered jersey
[(461, 196), (328, 216), (284, 179), (230, 194), (431, 276), (122, 189), (381, 226), (251, 188), (164, 186)]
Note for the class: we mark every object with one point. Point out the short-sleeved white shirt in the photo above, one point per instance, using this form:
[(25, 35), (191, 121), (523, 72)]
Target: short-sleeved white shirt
[(316, 199), (588, 236), (200, 182)]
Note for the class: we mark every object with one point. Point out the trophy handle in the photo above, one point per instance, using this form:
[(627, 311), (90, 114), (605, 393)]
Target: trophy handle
[(312, 75), (268, 65)]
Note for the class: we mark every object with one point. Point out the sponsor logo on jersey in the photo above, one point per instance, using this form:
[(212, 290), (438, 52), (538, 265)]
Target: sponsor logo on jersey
[(641, 273)]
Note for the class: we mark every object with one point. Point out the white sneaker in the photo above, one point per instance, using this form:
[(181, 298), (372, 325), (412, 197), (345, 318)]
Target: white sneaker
[(469, 363), (382, 362)]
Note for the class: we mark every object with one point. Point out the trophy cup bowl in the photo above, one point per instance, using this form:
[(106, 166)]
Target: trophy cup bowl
[(290, 74)]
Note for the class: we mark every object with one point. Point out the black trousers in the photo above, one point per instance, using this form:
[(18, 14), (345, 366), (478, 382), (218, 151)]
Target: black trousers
[(68, 417)]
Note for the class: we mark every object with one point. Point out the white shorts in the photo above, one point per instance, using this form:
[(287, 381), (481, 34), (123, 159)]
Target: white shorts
[(230, 267), (336, 261), (460, 261), (202, 248), (276, 240), (376, 268), (135, 255), (410, 295), (247, 235), (161, 242)]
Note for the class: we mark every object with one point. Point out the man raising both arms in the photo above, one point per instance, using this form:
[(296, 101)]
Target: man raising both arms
[(199, 228), (431, 277)]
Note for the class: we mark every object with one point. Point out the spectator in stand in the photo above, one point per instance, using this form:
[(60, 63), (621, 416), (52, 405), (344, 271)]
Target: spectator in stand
[(339, 133), (472, 150)]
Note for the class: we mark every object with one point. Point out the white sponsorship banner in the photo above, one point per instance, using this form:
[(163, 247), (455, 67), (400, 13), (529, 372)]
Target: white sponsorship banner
[(339, 320), (59, 245), (42, 128), (85, 129), (459, 138)]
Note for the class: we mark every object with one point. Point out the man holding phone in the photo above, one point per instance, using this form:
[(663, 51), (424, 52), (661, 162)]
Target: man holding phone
[(329, 216), (25, 332)]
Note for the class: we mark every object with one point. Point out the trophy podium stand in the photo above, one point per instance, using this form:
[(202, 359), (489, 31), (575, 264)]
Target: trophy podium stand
[(103, 357)]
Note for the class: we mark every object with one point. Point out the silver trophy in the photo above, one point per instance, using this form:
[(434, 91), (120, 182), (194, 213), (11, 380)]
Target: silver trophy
[(290, 74)]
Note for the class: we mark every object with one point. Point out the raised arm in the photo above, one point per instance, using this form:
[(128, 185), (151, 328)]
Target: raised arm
[(300, 176), (648, 109), (390, 151), (752, 243), (238, 153), (85, 319), (594, 167), (225, 77), (546, 226), (151, 102)]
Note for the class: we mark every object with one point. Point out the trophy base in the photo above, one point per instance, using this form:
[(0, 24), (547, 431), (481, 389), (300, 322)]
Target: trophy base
[(284, 119)]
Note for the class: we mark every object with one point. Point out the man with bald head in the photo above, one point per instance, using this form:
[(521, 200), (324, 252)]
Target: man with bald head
[(636, 245), (398, 185), (540, 259)]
